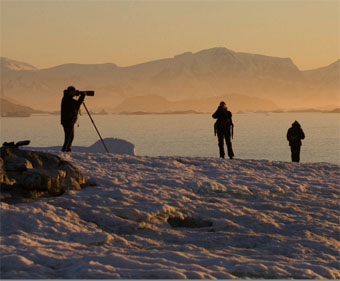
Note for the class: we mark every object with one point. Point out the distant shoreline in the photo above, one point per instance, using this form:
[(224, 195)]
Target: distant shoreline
[(188, 112), (237, 112)]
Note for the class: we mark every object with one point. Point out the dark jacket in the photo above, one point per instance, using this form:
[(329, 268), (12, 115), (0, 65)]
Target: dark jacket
[(295, 134), (224, 118), (69, 109)]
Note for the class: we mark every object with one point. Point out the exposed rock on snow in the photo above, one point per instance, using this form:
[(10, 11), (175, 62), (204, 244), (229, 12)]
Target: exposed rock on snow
[(188, 222), (27, 175)]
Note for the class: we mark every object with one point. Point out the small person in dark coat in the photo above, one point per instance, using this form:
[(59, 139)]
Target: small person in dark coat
[(69, 114), (294, 135), (223, 127)]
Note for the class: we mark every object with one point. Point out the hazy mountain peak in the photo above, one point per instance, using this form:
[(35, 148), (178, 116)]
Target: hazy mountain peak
[(185, 54), (327, 75), (8, 64), (334, 65), (219, 51), (88, 67), (214, 51)]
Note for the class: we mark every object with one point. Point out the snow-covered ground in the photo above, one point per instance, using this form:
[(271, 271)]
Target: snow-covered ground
[(177, 218)]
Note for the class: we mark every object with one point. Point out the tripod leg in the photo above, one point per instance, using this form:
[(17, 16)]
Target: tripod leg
[(95, 127)]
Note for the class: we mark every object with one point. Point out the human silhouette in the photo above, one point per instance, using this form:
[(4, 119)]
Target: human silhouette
[(224, 129), (69, 114), (294, 135)]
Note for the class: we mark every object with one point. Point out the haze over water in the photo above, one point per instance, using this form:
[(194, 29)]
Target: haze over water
[(256, 136)]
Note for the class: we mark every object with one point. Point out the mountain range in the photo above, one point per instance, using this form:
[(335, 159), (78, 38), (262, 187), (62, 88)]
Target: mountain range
[(235, 102), (184, 80), (12, 109)]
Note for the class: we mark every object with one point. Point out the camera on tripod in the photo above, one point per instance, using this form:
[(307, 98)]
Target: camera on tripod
[(75, 92), (86, 93)]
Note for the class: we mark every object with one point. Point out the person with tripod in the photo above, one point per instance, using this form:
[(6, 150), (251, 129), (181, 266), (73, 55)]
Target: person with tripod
[(224, 129), (69, 114)]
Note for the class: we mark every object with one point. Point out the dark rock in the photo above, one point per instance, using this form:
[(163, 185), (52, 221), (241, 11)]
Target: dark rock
[(27, 175), (188, 222)]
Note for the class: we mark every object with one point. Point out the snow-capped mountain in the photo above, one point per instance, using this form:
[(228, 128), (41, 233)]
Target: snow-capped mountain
[(327, 73), (325, 79), (214, 72), (189, 76), (8, 107), (8, 65)]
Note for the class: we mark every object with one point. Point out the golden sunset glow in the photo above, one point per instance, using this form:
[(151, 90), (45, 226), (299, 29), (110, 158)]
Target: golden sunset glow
[(49, 33), (170, 139)]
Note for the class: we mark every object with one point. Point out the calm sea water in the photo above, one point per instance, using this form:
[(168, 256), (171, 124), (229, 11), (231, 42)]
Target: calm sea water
[(256, 135)]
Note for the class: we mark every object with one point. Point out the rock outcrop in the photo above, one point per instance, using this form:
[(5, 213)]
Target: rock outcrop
[(26, 175)]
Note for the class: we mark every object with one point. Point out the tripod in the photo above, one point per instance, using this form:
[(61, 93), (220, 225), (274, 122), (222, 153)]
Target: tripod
[(95, 128)]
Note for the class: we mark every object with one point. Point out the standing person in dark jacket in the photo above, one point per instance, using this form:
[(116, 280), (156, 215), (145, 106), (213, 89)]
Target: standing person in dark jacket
[(294, 135), (69, 113), (223, 127)]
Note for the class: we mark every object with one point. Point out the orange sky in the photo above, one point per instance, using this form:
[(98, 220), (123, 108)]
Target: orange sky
[(52, 32)]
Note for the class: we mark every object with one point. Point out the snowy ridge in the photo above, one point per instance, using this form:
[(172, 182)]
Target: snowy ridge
[(243, 218), (8, 64)]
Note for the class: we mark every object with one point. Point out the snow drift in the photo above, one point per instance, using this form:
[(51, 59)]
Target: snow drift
[(177, 218), (115, 146)]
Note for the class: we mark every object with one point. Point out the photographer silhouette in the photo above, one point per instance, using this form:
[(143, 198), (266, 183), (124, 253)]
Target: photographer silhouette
[(69, 114)]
